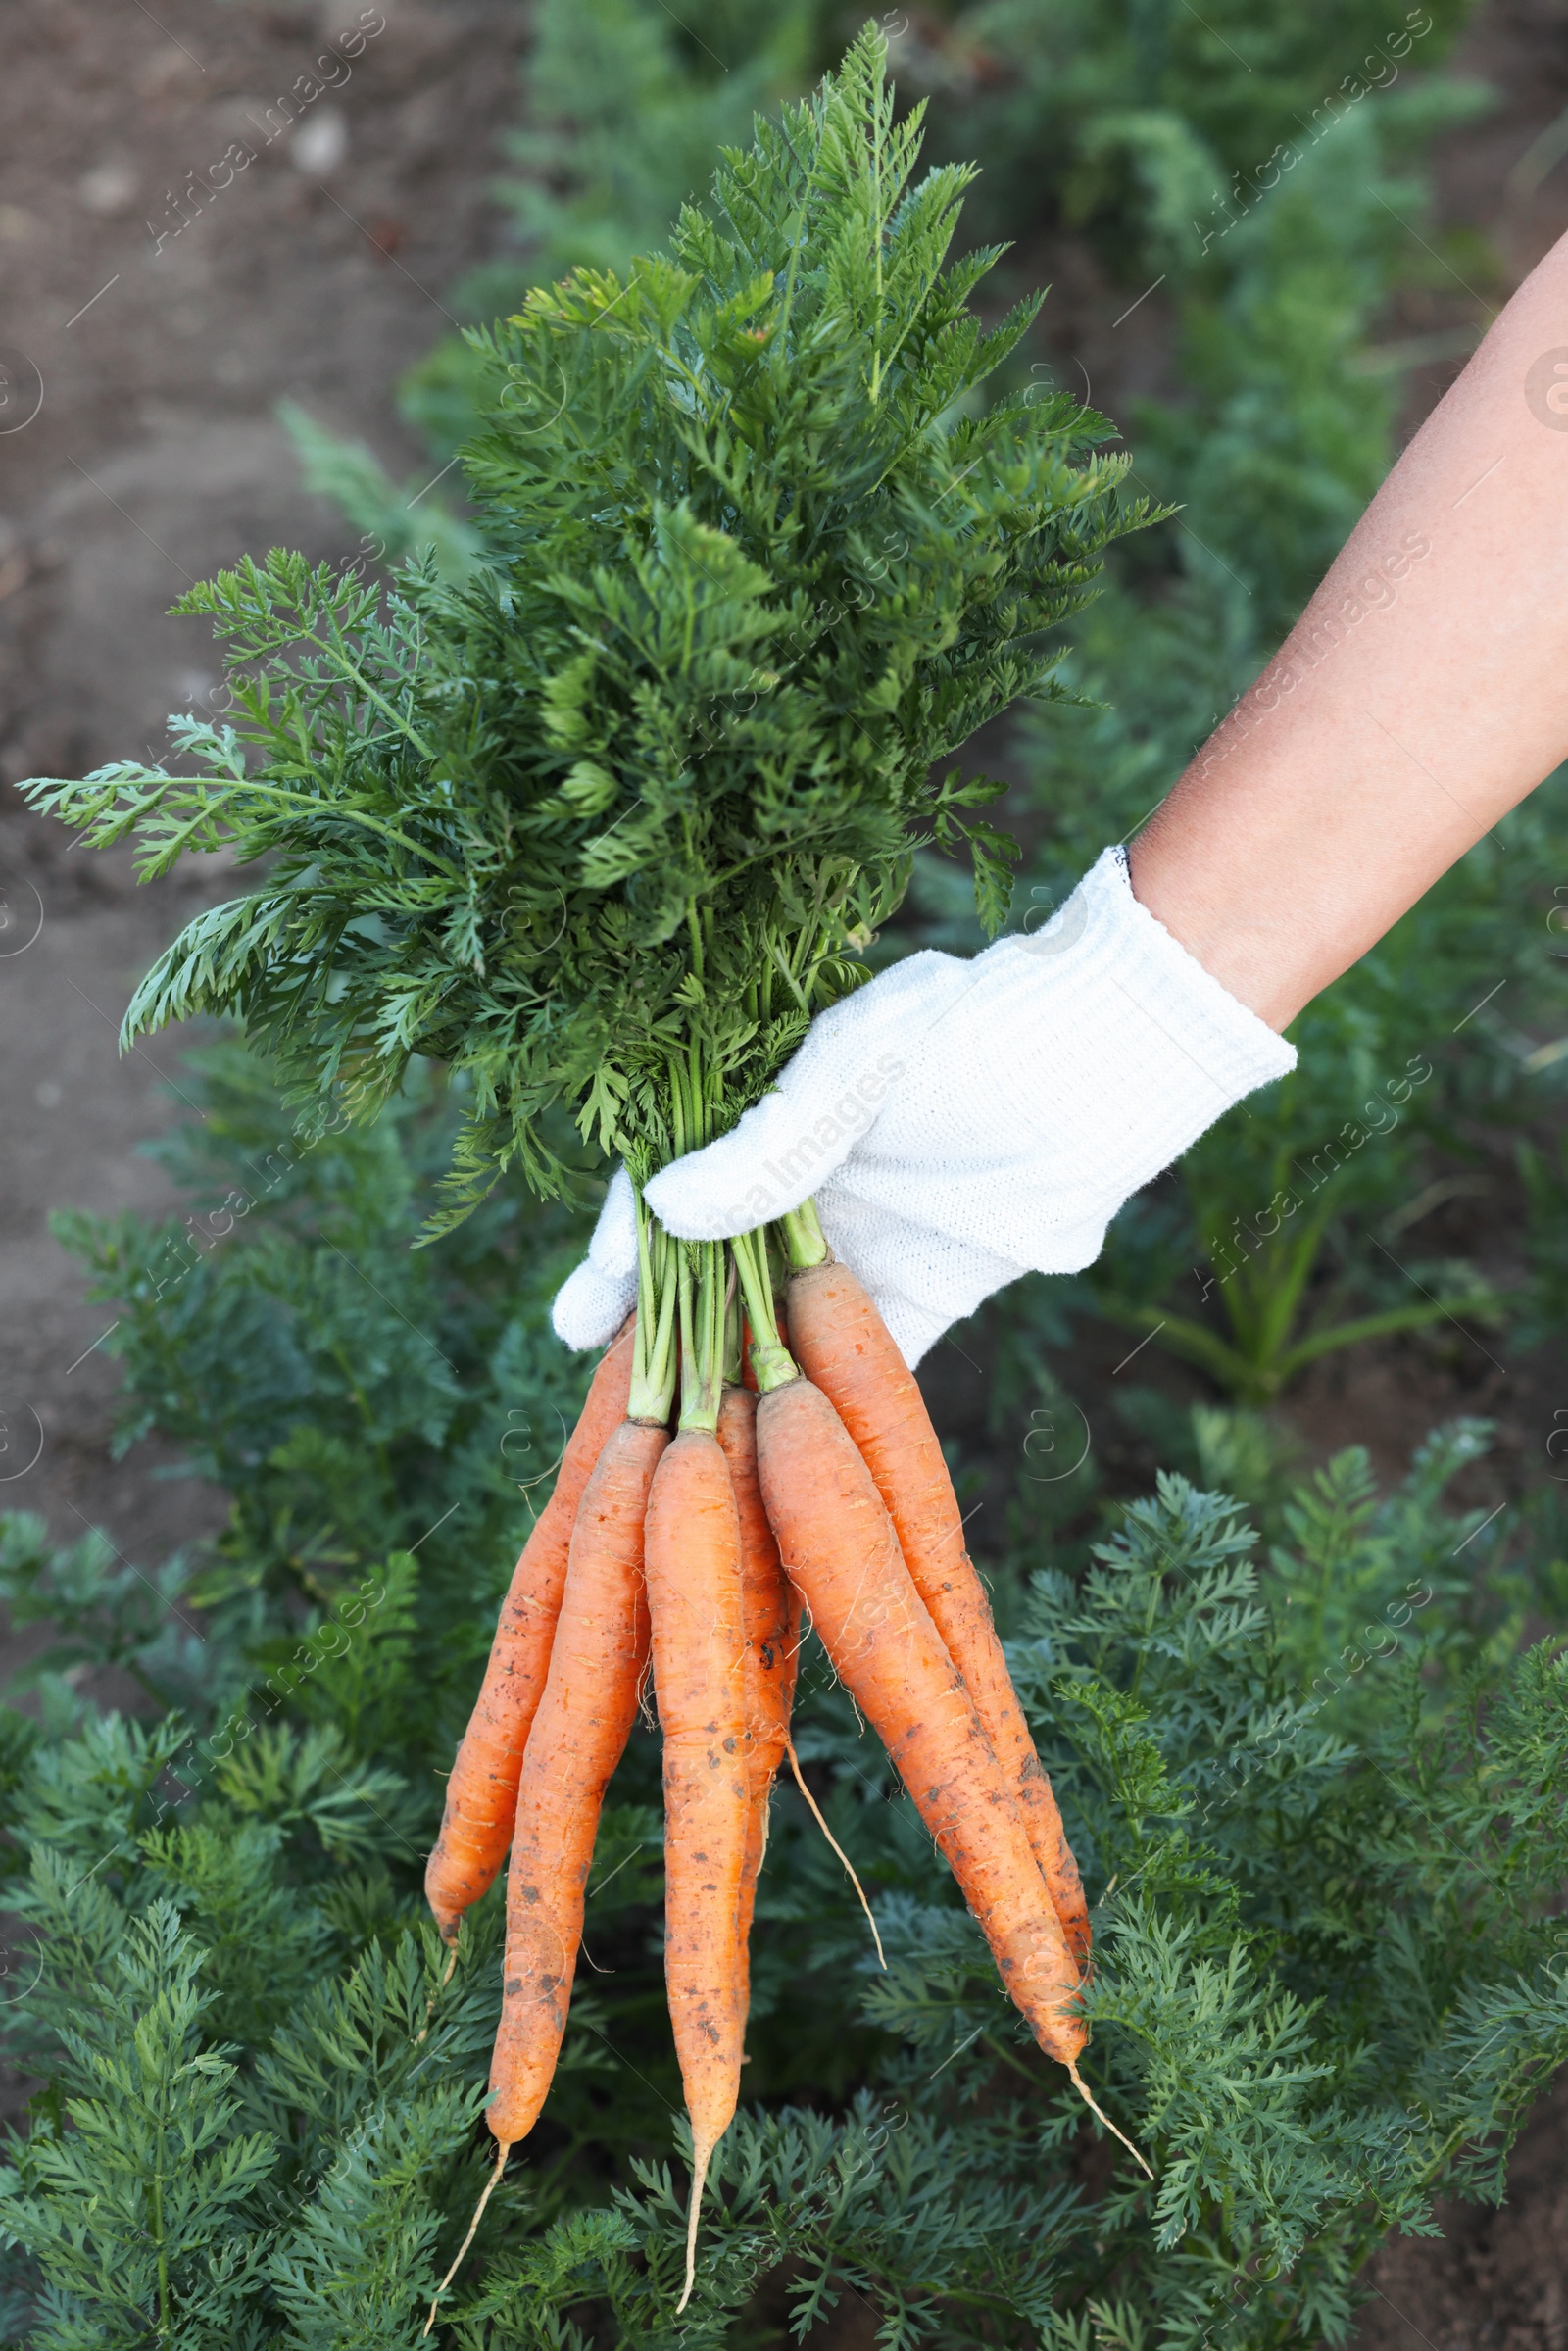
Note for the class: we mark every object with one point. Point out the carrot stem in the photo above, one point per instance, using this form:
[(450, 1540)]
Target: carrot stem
[(804, 1242), (733, 1320), (795, 1766), (770, 1247), (702, 1333), (503, 2150), (772, 1360), (654, 1360)]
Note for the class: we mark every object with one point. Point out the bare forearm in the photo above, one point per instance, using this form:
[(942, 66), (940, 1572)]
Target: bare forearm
[(1422, 694)]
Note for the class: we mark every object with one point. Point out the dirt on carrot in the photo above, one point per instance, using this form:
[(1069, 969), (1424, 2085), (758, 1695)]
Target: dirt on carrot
[(696, 1607), (842, 1554), (482, 1790), (841, 1343), (578, 1737)]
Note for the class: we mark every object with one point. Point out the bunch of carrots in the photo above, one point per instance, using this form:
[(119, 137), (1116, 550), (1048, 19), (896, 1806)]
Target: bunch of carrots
[(812, 1476), (602, 829)]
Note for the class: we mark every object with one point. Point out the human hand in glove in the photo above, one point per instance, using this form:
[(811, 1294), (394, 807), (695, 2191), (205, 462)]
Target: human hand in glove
[(962, 1122)]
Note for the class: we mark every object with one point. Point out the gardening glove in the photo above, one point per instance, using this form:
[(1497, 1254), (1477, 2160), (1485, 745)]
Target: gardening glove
[(962, 1123)]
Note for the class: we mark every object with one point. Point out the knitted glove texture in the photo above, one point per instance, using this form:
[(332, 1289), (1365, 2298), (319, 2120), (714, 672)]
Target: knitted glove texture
[(962, 1123)]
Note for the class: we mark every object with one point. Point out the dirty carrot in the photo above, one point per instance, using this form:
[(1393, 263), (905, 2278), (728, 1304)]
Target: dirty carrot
[(842, 1345), (842, 1554), (578, 1737), (580, 1730), (693, 1563), (770, 1613), (482, 1790)]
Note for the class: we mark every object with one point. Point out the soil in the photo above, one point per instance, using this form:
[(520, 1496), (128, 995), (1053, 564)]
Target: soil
[(156, 457), (139, 449)]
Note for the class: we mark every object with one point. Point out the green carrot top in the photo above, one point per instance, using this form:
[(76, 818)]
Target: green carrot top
[(604, 826)]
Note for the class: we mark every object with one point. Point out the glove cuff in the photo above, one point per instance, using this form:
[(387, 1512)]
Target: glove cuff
[(1199, 1045), (1117, 1019), (1074, 1067)]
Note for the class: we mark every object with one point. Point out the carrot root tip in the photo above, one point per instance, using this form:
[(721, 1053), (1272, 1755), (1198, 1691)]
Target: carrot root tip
[(503, 2150), (701, 2157), (1084, 2091), (795, 1766)]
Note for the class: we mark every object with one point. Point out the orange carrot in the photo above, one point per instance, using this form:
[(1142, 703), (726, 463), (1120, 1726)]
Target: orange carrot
[(845, 1347), (482, 1792), (579, 1735), (693, 1557), (770, 1613), (842, 1554)]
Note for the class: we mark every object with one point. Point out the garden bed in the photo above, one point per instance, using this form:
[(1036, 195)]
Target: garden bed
[(156, 453)]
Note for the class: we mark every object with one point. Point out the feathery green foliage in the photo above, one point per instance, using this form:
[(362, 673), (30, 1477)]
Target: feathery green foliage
[(629, 799)]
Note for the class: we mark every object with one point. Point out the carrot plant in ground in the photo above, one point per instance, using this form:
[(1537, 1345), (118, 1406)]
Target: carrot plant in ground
[(1149, 131), (623, 109), (1329, 1981), (1297, 1227), (349, 1397)]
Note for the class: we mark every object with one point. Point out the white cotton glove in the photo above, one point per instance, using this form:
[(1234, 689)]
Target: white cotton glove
[(595, 1298), (962, 1123)]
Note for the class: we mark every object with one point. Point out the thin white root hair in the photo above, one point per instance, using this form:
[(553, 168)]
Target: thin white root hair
[(701, 2157), (1084, 2091), (795, 1766), (503, 2150)]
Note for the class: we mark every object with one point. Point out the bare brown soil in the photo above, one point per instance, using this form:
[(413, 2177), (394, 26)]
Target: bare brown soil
[(154, 457), (316, 276)]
